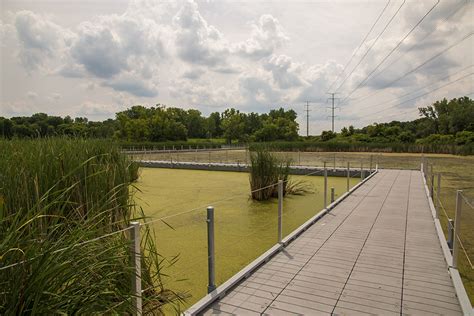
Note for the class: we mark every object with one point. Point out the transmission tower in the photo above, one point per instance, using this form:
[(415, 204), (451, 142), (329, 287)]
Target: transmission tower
[(307, 118), (332, 116)]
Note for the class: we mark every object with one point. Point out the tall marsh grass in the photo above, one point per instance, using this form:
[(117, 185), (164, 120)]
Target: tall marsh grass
[(54, 195), (266, 169)]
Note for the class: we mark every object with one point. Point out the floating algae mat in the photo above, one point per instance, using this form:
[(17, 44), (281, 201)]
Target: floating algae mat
[(244, 228)]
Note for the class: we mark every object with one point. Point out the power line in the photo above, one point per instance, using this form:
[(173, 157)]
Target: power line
[(419, 89), (360, 45), (421, 95), (410, 110), (375, 41), (417, 67), (416, 44), (392, 51)]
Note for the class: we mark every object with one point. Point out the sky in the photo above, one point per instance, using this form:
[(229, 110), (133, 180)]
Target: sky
[(382, 59)]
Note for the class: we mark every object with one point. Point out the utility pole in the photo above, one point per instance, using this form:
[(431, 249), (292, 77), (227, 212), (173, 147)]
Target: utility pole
[(307, 118), (332, 116)]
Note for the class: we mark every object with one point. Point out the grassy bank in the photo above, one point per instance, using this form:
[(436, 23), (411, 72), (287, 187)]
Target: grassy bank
[(55, 195), (393, 147), (192, 143)]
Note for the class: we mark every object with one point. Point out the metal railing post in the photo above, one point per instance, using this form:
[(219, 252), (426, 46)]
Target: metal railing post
[(280, 209), (332, 195), (348, 175), (361, 171), (334, 163), (450, 233), (325, 186), (438, 192), (211, 269), (457, 227), (137, 267), (431, 179), (432, 187)]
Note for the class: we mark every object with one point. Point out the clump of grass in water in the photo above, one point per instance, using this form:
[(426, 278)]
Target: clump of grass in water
[(57, 193), (266, 169)]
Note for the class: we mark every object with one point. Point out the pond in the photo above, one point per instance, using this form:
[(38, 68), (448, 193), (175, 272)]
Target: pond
[(244, 228)]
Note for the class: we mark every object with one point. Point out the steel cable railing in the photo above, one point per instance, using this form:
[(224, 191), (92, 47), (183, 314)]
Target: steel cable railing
[(146, 223), (451, 226), (135, 228), (69, 247), (467, 201)]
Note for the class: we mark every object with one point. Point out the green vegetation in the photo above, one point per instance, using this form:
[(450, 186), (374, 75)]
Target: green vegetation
[(160, 124), (342, 146), (266, 169), (445, 127), (55, 194)]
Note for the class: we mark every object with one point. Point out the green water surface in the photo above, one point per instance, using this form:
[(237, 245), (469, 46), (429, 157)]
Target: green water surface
[(244, 228)]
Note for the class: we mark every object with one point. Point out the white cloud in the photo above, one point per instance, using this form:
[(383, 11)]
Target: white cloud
[(39, 39), (32, 95), (267, 36), (114, 44), (133, 85), (56, 96), (90, 108), (197, 42), (204, 93), (193, 74), (214, 55), (285, 72)]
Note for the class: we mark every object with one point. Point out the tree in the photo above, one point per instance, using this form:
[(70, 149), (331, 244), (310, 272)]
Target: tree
[(195, 124), (6, 127), (406, 137), (345, 132), (450, 117), (213, 123), (327, 135), (233, 125)]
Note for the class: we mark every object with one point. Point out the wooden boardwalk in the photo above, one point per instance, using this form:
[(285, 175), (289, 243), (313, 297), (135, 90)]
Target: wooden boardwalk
[(377, 252)]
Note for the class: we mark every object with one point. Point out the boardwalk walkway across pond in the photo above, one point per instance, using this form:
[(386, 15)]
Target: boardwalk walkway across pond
[(377, 252)]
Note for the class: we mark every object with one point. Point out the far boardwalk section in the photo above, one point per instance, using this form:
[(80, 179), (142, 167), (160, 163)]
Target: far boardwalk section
[(377, 252)]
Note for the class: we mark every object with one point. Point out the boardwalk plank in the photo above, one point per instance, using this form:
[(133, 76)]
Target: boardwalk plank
[(377, 252)]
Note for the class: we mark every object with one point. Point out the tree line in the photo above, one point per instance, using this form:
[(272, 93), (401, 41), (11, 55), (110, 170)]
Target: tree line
[(443, 122), (160, 123)]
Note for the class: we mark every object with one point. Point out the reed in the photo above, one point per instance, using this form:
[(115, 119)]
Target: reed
[(54, 195), (265, 171)]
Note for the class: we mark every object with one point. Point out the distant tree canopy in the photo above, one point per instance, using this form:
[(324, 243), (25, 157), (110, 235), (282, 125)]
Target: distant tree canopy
[(160, 123), (444, 122)]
